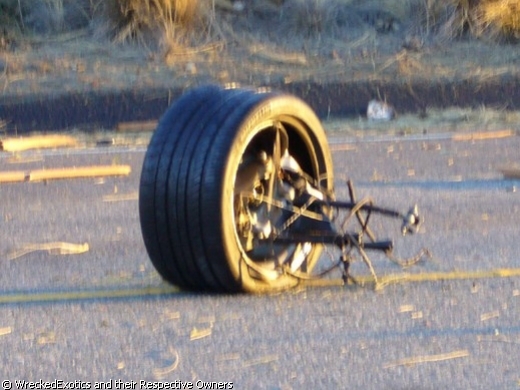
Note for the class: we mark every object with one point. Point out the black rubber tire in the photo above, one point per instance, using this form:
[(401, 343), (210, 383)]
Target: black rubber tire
[(186, 191)]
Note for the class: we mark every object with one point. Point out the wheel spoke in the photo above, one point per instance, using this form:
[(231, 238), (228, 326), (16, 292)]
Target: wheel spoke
[(277, 149), (276, 158)]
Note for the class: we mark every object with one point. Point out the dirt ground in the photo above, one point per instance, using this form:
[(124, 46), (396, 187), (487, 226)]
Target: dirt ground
[(378, 54)]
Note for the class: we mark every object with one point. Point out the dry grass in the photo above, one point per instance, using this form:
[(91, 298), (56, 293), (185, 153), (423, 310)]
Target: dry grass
[(170, 20), (173, 22), (123, 20), (498, 20), (494, 20), (171, 26)]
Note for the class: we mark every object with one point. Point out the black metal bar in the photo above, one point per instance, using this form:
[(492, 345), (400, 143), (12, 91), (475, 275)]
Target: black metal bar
[(366, 207), (333, 239), (383, 246)]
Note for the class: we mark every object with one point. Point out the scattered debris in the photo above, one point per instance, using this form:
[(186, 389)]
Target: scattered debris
[(380, 111), (46, 338), (427, 359), (55, 248), (161, 372), (490, 315), (261, 360), (12, 177), (175, 315), (406, 308), (65, 173), (5, 330), (121, 197), (228, 357), (197, 334), (37, 142)]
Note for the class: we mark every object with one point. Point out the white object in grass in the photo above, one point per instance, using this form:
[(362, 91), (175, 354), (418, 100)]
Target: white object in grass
[(380, 111)]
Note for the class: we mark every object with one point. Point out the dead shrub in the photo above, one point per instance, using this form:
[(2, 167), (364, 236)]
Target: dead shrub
[(498, 20), (495, 20), (149, 21)]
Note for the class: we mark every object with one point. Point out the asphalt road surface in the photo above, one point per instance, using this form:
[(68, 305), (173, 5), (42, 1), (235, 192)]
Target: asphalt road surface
[(106, 316)]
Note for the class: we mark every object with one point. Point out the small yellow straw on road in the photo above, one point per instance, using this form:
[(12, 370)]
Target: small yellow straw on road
[(37, 142), (65, 173)]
